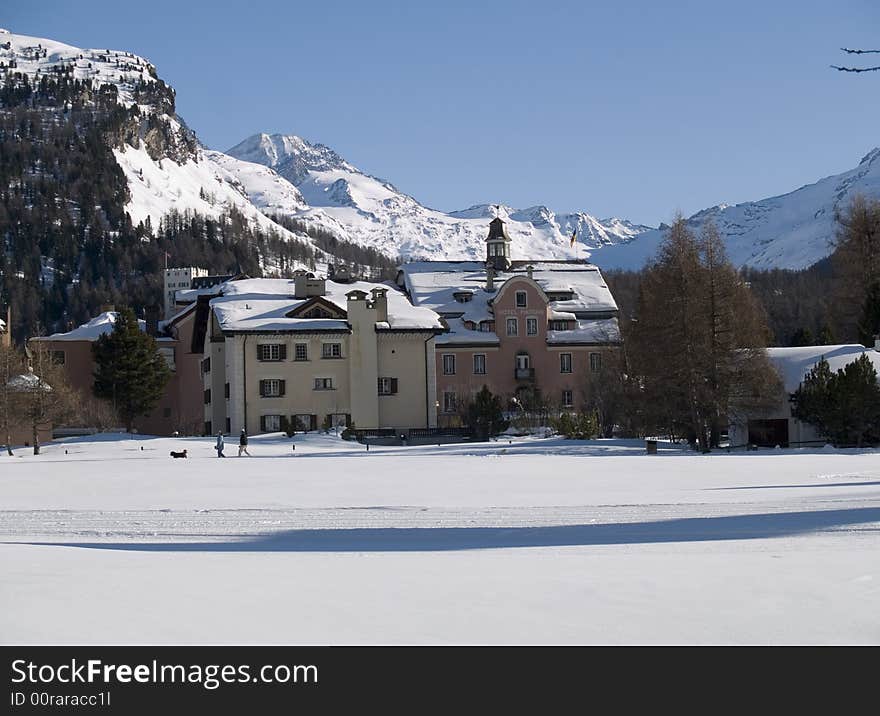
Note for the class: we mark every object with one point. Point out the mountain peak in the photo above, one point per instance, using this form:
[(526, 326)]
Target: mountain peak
[(290, 155)]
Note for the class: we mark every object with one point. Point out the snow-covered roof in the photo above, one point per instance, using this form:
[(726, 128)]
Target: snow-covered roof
[(591, 330), (793, 364), (433, 284), (27, 382), (91, 331), (262, 304)]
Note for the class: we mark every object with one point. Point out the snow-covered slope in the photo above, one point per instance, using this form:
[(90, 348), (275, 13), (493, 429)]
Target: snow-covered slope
[(373, 212), (789, 231), (166, 170), (35, 56)]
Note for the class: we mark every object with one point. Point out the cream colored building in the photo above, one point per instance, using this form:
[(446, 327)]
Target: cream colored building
[(281, 352)]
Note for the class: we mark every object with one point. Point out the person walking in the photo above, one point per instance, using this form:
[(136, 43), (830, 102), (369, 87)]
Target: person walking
[(219, 446), (242, 443)]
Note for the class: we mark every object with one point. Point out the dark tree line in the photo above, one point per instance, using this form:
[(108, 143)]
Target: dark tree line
[(67, 245)]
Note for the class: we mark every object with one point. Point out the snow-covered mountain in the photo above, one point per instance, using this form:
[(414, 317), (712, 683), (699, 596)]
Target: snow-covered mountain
[(373, 212), (167, 169), (793, 230), (165, 166)]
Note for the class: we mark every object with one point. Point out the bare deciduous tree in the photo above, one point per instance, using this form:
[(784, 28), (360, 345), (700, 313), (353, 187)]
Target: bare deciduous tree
[(698, 343), (41, 397), (849, 51)]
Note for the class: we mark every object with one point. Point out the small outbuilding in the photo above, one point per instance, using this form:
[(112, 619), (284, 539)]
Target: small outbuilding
[(777, 427)]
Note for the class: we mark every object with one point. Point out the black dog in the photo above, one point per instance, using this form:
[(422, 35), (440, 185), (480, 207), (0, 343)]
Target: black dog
[(178, 454)]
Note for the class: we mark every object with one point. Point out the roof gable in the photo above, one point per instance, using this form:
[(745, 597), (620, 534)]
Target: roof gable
[(317, 307)]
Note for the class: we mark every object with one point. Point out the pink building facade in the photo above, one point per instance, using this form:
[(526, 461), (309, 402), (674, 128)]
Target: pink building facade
[(534, 332)]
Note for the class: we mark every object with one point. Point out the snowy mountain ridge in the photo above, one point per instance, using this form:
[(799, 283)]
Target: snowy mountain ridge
[(371, 211), (793, 230), (284, 174)]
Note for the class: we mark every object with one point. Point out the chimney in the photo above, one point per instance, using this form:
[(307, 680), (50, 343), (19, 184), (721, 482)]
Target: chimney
[(151, 314), (380, 303), (306, 285), (529, 270), (490, 277), (299, 286)]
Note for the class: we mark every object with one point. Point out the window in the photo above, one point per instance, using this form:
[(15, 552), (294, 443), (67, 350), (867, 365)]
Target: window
[(520, 299), (449, 402), (317, 312), (304, 422), (448, 364), (565, 362), (58, 357), (532, 326), (567, 400), (206, 365), (228, 425), (487, 326), (387, 386), (323, 383), (208, 396), (558, 325), (271, 351), (479, 364), (226, 391), (270, 423), (595, 362), (522, 361), (512, 327), (301, 351), (272, 388), (331, 350), (208, 430)]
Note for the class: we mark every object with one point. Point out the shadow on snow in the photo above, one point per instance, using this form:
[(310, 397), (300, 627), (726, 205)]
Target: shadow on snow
[(419, 539)]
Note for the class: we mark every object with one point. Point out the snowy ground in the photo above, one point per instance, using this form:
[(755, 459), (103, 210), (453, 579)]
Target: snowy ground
[(538, 541)]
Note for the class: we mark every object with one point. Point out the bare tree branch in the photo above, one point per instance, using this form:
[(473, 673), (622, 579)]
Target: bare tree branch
[(860, 52), (855, 69)]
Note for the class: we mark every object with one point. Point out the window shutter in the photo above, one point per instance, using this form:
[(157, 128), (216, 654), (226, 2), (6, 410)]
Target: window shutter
[(262, 423), (259, 352), (379, 385), (393, 386), (282, 384), (282, 353), (262, 388), (314, 422)]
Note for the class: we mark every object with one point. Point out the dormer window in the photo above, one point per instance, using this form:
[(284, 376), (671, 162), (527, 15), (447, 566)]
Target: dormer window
[(558, 325), (317, 312), (560, 295), (521, 299), (463, 296)]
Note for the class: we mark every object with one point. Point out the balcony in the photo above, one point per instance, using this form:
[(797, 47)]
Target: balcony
[(527, 374)]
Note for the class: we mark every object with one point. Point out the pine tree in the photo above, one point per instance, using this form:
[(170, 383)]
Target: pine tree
[(844, 406), (484, 414), (129, 370)]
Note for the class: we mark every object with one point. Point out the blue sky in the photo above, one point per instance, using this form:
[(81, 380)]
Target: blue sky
[(627, 108)]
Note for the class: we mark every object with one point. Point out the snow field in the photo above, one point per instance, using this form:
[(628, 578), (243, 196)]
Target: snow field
[(528, 541)]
